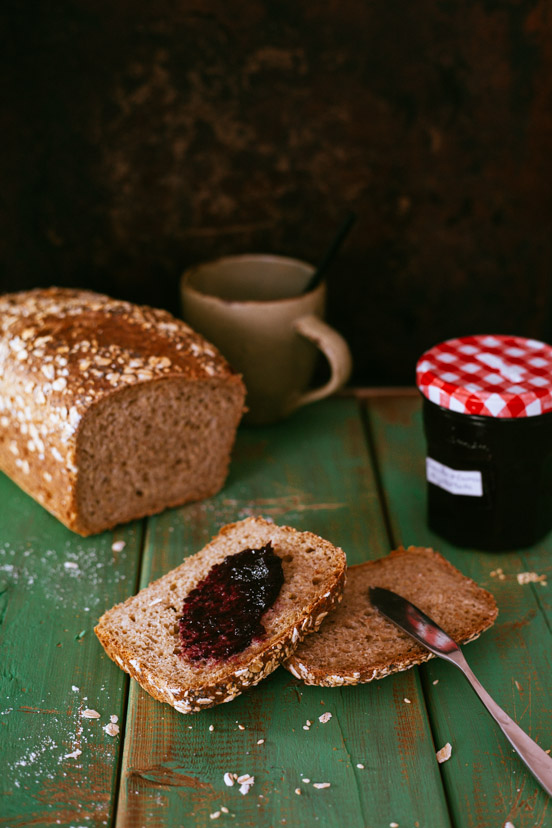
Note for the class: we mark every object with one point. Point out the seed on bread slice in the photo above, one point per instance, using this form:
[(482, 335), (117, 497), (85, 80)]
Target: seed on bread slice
[(356, 644), (142, 636)]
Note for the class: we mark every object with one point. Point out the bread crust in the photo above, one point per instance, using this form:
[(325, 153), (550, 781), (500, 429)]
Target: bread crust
[(308, 663), (245, 669), (63, 352)]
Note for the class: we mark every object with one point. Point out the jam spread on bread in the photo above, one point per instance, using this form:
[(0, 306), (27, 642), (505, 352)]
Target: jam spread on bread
[(222, 615)]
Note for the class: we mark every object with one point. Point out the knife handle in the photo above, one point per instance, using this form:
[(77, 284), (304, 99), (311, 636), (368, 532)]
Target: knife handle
[(538, 762)]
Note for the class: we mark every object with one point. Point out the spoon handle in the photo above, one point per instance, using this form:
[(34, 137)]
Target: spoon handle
[(331, 253), (538, 762)]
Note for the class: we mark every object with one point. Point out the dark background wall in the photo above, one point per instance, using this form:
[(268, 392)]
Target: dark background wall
[(139, 137)]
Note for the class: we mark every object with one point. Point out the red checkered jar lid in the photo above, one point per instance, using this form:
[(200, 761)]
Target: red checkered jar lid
[(493, 376)]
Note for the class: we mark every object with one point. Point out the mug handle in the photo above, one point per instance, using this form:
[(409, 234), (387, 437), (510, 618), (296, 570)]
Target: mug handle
[(336, 351)]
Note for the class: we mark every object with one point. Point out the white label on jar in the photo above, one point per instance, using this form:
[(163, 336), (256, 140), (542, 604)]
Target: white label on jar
[(454, 481)]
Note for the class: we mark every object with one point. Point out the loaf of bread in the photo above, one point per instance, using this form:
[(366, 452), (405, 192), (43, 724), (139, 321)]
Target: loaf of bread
[(110, 411), (142, 635), (357, 644)]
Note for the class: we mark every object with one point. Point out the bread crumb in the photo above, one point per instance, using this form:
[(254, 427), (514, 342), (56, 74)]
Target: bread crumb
[(325, 717), (246, 779), (306, 780), (211, 728), (112, 729), (321, 784), (114, 719), (298, 791), (228, 779), (360, 765), (245, 782), (224, 809), (74, 688), (118, 546), (260, 741), (498, 573), (436, 681), (241, 727), (407, 701), (393, 825), (445, 753), (90, 714), (214, 815), (531, 578), (73, 755), (509, 824)]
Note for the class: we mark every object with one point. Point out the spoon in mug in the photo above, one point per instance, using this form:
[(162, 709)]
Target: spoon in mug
[(330, 254)]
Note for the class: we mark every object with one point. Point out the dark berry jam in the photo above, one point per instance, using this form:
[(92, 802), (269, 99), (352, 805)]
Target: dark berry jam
[(513, 458), (222, 615)]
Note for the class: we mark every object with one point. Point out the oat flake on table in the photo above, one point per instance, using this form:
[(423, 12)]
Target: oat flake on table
[(445, 753), (531, 578), (90, 714), (112, 729)]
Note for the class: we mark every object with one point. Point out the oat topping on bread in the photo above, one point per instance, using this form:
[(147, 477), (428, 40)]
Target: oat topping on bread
[(84, 344)]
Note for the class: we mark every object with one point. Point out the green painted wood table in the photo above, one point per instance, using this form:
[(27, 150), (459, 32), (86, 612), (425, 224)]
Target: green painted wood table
[(350, 469)]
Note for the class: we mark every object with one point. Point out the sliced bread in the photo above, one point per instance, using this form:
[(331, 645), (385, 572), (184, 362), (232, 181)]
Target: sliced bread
[(142, 634), (357, 644)]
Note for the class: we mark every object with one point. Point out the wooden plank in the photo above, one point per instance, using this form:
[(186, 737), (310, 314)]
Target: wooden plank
[(57, 767), (312, 472), (486, 783)]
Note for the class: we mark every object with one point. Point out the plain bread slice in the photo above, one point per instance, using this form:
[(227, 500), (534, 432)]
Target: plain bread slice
[(356, 644)]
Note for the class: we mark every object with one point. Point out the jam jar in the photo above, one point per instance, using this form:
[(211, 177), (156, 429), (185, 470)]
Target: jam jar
[(487, 414)]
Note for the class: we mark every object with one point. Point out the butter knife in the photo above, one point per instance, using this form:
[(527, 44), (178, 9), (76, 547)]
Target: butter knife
[(417, 624)]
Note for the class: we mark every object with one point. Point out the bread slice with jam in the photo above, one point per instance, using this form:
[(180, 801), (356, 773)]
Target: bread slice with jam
[(164, 640)]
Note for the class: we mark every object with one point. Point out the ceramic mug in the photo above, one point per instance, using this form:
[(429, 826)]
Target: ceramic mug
[(254, 309)]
